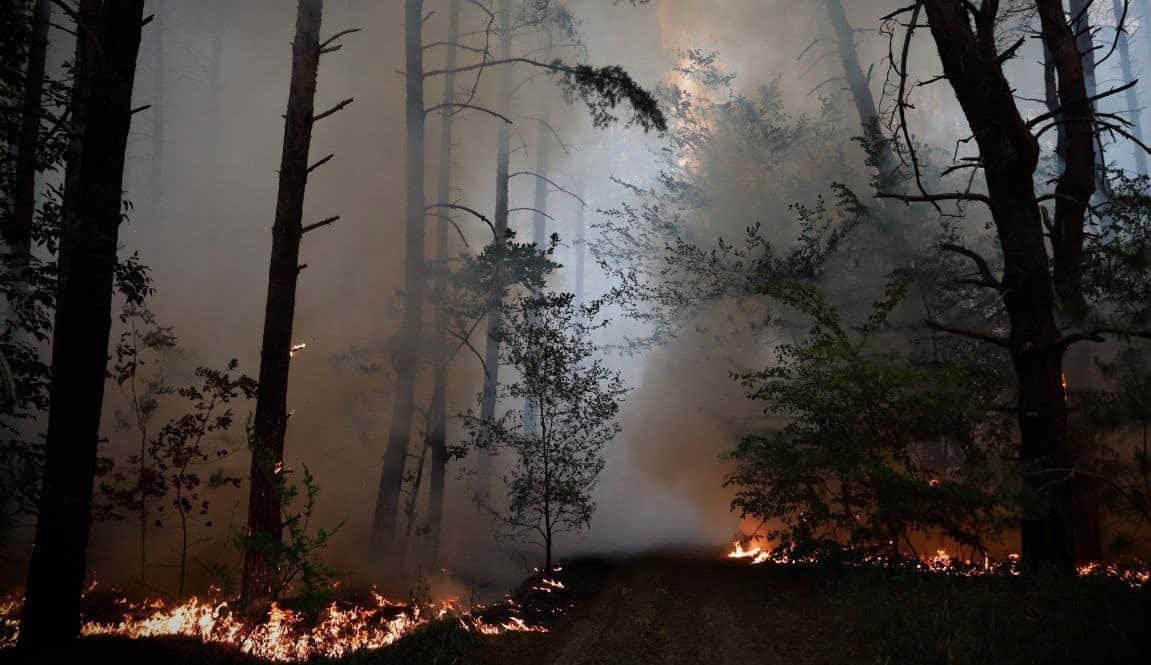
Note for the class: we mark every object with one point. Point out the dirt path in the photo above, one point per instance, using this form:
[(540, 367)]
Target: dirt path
[(679, 609)]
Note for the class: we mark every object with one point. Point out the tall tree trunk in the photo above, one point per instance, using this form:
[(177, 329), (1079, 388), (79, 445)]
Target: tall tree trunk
[(1126, 66), (1084, 34), (1009, 156), (216, 71), (156, 172), (495, 307), (860, 88), (888, 179), (408, 355), (1077, 182), (539, 218), (265, 498), (581, 251), (18, 236), (105, 68), (1071, 50), (438, 432)]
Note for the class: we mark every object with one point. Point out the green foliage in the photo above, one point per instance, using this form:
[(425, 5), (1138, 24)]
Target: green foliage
[(604, 88), (1118, 254), (28, 285), (165, 476), (301, 576), (873, 446), (558, 449)]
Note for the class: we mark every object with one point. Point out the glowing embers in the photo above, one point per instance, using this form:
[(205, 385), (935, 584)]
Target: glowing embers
[(756, 554), (510, 625), (1135, 575), (547, 586)]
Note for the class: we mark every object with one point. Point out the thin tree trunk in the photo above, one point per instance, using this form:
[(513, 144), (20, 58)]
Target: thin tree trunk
[(265, 521), (1126, 66), (860, 88), (581, 252), (1071, 50), (216, 71), (105, 68), (156, 173), (18, 235), (1077, 182), (1010, 156), (414, 495), (539, 217), (438, 432), (408, 355), (1083, 32), (495, 308)]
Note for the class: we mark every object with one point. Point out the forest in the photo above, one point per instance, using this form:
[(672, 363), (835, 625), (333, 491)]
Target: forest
[(575, 332)]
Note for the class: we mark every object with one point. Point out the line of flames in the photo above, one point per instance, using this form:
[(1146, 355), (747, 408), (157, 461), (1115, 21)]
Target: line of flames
[(942, 562), (286, 636)]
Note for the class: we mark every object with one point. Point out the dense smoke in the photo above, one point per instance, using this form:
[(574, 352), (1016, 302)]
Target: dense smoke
[(203, 183)]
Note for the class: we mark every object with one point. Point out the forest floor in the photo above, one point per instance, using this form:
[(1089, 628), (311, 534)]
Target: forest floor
[(691, 607)]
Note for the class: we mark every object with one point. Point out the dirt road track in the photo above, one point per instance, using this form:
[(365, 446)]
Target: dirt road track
[(679, 609)]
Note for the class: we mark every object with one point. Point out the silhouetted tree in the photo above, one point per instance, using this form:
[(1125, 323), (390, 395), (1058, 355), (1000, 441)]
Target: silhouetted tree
[(965, 35), (265, 500), (108, 41), (28, 157), (558, 459)]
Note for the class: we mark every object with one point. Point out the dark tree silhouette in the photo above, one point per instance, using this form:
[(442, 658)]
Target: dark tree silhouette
[(265, 501), (18, 234), (107, 44), (965, 36), (558, 457)]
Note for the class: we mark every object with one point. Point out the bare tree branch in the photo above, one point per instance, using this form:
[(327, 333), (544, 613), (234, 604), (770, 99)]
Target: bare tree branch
[(320, 163), (437, 107), (474, 212), (550, 182), (335, 109), (320, 224), (343, 33), (1096, 335), (989, 338), (987, 278)]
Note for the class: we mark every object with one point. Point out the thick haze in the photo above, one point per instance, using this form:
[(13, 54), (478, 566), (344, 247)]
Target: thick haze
[(208, 236)]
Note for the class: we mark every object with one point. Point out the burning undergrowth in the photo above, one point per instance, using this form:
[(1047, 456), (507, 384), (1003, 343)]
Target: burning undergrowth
[(281, 633), (940, 562)]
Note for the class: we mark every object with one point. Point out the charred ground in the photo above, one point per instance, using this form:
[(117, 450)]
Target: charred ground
[(691, 607)]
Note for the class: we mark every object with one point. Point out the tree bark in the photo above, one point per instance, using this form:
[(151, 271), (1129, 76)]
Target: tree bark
[(18, 236), (105, 68), (1009, 156), (408, 354), (438, 432), (265, 509), (1077, 182), (1084, 34), (500, 222)]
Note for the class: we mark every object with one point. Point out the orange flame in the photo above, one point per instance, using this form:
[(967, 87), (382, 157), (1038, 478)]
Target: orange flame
[(285, 635)]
